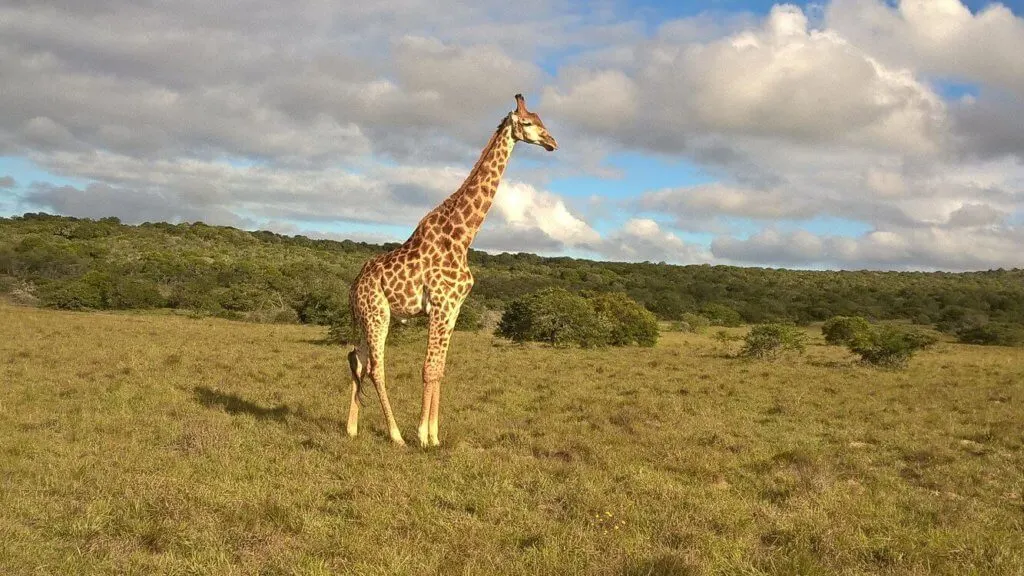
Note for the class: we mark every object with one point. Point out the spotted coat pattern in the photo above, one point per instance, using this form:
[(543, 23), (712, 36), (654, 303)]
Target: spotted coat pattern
[(429, 275)]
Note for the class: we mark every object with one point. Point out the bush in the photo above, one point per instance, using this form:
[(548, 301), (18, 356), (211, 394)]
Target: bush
[(73, 295), (768, 341), (241, 297), (90, 291), (954, 319), (341, 329), (890, 346), (992, 335), (725, 337), (844, 329), (628, 322), (285, 315), (690, 322), (130, 294), (471, 316), (322, 307), (555, 316), (721, 315)]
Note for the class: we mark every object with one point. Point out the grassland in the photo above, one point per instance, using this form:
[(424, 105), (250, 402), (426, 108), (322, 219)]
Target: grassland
[(161, 444)]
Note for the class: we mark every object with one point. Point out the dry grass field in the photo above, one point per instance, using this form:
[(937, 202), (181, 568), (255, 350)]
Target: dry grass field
[(161, 444)]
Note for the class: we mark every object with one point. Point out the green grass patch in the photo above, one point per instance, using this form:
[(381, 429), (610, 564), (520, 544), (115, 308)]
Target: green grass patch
[(161, 444)]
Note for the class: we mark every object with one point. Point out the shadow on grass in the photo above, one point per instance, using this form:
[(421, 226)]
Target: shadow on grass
[(325, 341), (233, 404), (829, 364), (665, 565)]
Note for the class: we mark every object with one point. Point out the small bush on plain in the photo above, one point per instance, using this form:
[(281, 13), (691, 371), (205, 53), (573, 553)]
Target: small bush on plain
[(690, 322), (628, 322), (890, 346), (561, 318), (992, 335), (841, 330), (555, 316), (768, 341)]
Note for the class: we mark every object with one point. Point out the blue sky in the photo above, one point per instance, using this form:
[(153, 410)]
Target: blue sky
[(842, 134)]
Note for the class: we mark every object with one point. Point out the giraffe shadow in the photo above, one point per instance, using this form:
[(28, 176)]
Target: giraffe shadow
[(233, 404)]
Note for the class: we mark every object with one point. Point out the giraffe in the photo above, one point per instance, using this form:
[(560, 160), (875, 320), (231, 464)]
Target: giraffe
[(429, 275)]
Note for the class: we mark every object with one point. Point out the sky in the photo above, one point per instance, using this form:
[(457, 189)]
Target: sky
[(850, 134)]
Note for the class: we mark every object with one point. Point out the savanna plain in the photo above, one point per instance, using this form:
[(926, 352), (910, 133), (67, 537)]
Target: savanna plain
[(163, 444)]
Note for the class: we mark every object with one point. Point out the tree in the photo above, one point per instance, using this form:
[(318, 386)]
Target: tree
[(554, 316), (844, 329), (628, 322)]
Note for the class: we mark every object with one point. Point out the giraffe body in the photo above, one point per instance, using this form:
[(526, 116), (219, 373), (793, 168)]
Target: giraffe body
[(429, 275)]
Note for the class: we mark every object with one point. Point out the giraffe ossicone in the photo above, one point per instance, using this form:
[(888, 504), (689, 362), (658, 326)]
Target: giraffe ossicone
[(429, 275)]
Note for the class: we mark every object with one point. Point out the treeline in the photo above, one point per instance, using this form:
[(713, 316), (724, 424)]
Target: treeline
[(79, 263)]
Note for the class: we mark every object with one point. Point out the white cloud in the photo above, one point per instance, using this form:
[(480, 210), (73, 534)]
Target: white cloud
[(642, 239), (696, 204), (939, 37), (941, 248), (781, 80), (536, 217)]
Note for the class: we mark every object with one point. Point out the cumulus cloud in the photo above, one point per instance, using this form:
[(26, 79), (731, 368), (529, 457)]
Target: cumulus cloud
[(524, 219), (944, 40), (696, 206), (801, 121), (642, 239), (942, 249), (938, 37), (780, 79), (303, 115)]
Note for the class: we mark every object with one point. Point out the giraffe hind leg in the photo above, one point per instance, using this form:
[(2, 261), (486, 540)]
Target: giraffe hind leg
[(376, 332), (357, 364)]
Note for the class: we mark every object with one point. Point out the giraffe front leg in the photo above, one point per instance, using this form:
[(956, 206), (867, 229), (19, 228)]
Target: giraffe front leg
[(423, 430), (442, 322), (435, 413)]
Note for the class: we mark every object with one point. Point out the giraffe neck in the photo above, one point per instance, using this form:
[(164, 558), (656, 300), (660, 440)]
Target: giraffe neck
[(466, 209)]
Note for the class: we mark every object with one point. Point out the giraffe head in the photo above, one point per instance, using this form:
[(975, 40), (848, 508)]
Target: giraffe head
[(527, 127)]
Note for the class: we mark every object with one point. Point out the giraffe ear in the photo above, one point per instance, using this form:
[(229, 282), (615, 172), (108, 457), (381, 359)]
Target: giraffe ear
[(520, 104)]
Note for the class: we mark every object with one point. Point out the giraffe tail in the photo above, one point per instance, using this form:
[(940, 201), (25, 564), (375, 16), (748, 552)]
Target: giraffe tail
[(357, 372)]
